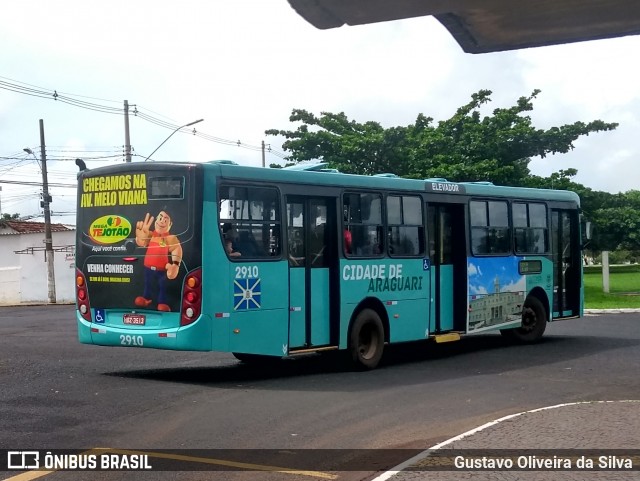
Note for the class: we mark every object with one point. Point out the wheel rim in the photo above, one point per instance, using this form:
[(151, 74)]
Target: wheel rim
[(529, 319), (368, 341)]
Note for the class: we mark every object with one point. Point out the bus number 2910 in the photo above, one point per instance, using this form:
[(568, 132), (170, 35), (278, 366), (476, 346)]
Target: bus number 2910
[(246, 272), (131, 340)]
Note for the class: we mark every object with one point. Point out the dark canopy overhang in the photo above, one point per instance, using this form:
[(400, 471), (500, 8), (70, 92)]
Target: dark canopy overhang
[(482, 26)]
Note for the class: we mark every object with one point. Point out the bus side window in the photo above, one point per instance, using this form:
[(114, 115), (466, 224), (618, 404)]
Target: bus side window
[(530, 227), (405, 225), (490, 231), (363, 220), (250, 217)]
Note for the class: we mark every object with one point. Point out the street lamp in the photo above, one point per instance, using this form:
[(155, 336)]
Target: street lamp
[(30, 152), (46, 198), (171, 134)]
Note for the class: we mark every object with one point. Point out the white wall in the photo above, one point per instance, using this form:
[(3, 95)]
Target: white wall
[(8, 244), (26, 274), (9, 285)]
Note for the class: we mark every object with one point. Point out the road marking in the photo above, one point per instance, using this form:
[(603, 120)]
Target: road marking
[(30, 475), (426, 453), (223, 462)]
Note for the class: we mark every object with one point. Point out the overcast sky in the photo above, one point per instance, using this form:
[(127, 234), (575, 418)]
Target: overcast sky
[(243, 65)]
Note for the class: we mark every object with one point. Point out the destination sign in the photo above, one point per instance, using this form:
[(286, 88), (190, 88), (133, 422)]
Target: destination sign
[(444, 187)]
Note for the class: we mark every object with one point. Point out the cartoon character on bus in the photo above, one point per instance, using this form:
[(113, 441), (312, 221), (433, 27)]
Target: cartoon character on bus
[(162, 259)]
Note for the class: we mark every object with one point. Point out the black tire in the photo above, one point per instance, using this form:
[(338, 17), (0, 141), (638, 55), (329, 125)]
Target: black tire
[(366, 340), (534, 322)]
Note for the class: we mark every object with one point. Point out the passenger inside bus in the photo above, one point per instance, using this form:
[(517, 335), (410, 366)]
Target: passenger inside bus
[(347, 241), (228, 246), (229, 231), (247, 244), (230, 235)]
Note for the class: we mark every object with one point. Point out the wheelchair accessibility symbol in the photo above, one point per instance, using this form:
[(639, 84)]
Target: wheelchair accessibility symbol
[(100, 316)]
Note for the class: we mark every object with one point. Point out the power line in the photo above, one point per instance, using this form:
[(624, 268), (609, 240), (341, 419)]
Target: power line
[(39, 184), (18, 163), (58, 97), (41, 92), (60, 158)]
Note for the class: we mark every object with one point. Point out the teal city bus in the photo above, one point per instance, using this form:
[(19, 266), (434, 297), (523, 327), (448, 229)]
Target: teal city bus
[(277, 262)]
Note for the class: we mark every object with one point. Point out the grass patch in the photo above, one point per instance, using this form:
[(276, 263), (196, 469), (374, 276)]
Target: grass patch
[(624, 287)]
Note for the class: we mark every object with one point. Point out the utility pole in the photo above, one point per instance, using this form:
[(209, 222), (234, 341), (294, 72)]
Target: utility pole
[(46, 199), (263, 153), (127, 139)]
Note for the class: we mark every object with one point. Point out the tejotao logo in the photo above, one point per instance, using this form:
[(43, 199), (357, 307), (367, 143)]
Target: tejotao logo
[(109, 229)]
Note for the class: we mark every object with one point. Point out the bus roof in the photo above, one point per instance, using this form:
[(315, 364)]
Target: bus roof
[(315, 174)]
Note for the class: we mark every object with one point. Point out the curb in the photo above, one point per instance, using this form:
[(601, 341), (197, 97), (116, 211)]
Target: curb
[(39, 304), (621, 310)]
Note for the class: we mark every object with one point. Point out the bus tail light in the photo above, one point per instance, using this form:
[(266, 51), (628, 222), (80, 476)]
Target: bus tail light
[(82, 296), (191, 297)]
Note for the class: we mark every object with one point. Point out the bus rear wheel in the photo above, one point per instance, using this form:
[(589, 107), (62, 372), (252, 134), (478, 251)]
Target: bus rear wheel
[(534, 322), (366, 340)]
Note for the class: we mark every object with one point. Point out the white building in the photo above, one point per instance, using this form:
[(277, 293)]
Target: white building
[(494, 309), (23, 266)]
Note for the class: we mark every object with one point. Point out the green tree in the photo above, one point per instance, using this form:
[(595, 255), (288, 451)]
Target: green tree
[(465, 147), (616, 217), (617, 222), (590, 200), (345, 144)]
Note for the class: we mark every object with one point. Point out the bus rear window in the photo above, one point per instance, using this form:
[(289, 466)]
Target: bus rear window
[(166, 187)]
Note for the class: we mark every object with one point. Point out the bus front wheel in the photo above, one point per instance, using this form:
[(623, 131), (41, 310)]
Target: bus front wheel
[(534, 322), (366, 339)]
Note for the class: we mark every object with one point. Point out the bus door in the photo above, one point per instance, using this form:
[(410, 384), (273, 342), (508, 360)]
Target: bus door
[(566, 263), (447, 254), (313, 262)]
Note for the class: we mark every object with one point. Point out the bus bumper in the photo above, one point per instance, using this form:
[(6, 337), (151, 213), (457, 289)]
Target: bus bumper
[(193, 337)]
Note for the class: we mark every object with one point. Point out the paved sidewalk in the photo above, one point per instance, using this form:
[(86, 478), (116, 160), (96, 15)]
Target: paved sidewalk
[(620, 310), (566, 433)]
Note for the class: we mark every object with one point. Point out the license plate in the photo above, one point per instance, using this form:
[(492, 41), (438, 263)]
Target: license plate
[(134, 319)]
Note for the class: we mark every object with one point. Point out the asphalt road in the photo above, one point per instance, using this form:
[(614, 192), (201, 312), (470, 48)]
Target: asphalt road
[(58, 394)]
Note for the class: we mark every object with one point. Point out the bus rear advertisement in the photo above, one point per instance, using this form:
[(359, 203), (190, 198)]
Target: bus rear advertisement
[(138, 239), (270, 263)]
